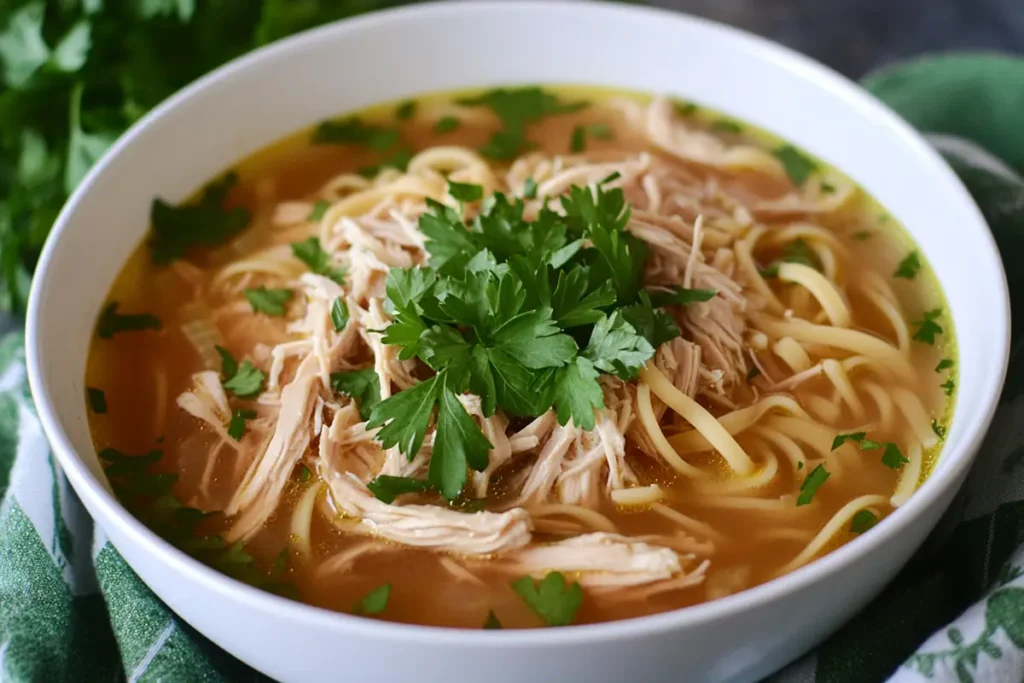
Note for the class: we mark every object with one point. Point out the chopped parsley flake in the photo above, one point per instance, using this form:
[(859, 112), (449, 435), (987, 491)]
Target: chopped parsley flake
[(465, 192), (827, 188), (97, 400), (319, 209), (304, 472), (405, 110), (515, 108), (245, 380), (447, 124), (949, 386), (530, 189), (927, 328), (818, 476), (944, 364), (360, 385), (552, 600), (375, 602), (797, 166), (909, 267), (236, 428), (892, 457), (205, 223), (862, 235), (386, 488), (339, 314), (269, 301), (313, 255), (726, 126), (862, 521), (111, 322), (492, 623), (869, 445), (686, 108), (843, 438), (600, 131), (940, 431)]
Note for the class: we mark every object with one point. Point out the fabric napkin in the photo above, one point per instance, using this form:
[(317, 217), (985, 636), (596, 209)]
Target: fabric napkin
[(72, 610)]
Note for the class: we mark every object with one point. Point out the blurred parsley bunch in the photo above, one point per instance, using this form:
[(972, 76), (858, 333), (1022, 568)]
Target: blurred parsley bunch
[(74, 74)]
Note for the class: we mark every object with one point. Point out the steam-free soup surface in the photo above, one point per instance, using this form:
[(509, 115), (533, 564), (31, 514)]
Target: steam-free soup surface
[(762, 376)]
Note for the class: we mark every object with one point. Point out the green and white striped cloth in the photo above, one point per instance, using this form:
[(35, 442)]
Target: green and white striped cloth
[(72, 610)]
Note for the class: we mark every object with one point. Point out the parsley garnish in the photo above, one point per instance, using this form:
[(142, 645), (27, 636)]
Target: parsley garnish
[(375, 602), (578, 141), (269, 301), (686, 108), (319, 209), (236, 428), (245, 380), (492, 622), (353, 131), (206, 223), (97, 400), (600, 131), (862, 521), (312, 254), (447, 124), (827, 188), (949, 386), (386, 488), (405, 110), (111, 322), (465, 192), (843, 438), (515, 108), (944, 364), (680, 296), (796, 251), (927, 327), (811, 484), (892, 457), (552, 600), (530, 189), (399, 159), (304, 472), (869, 445), (939, 430), (339, 314), (798, 167), (861, 235), (726, 126), (800, 465), (361, 385), (909, 266)]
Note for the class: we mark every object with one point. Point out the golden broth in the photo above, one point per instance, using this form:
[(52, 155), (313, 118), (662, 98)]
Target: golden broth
[(142, 373)]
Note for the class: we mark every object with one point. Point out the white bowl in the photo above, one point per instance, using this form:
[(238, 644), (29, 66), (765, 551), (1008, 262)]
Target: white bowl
[(323, 73)]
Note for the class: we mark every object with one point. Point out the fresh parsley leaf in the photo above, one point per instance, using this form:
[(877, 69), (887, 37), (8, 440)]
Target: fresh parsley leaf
[(862, 521), (313, 255), (353, 130), (892, 457), (97, 400), (681, 296), (458, 443), (818, 476), (869, 445), (244, 380), (577, 393), (111, 322), (375, 602), (360, 385), (23, 50), (843, 438), (654, 324), (236, 427), (940, 431), (492, 622), (616, 348), (447, 124), (686, 108), (228, 364), (798, 167), (530, 189), (203, 224), (269, 301), (578, 141), (84, 149), (405, 110), (552, 599), (800, 465), (949, 386), (339, 314), (573, 306), (386, 488), (927, 327), (726, 126), (405, 416), (304, 472), (909, 267), (944, 364), (535, 340), (319, 209), (515, 108), (465, 192)]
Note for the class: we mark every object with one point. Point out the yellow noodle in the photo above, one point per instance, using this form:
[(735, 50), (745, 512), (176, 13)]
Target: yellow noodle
[(762, 477), (831, 528), (638, 496), (737, 421), (882, 401), (835, 372), (878, 293), (823, 408), (689, 523), (302, 520), (650, 423), (748, 268), (830, 298), (910, 476), (590, 518), (789, 448), (916, 417), (792, 354), (698, 416)]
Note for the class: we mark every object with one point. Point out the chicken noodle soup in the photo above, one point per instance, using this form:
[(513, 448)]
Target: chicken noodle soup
[(518, 358)]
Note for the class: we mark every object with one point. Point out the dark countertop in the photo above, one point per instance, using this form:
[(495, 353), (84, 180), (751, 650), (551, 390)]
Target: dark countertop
[(856, 36)]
